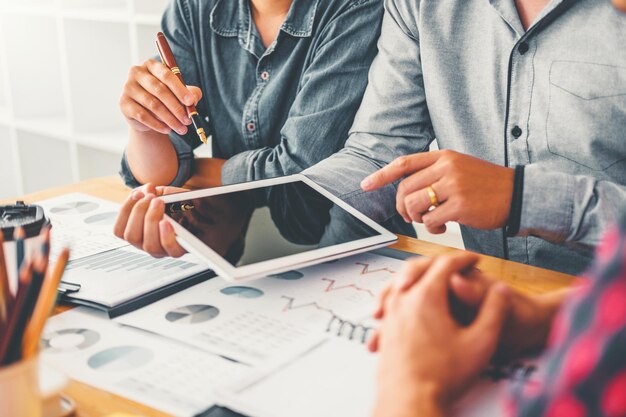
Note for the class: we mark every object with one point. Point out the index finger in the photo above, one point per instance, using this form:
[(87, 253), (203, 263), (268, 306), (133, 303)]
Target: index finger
[(435, 280), (399, 168), (167, 77)]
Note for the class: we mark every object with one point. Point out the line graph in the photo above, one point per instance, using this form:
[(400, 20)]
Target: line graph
[(331, 287), (291, 305), (336, 325), (366, 269)]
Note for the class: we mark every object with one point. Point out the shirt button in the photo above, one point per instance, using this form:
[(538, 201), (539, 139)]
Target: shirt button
[(251, 127), (265, 75), (516, 132), (523, 48)]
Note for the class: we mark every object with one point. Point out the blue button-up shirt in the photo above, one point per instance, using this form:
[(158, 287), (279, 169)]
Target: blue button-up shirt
[(552, 98), (271, 111)]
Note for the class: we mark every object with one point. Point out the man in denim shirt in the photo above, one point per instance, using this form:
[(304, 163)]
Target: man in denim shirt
[(273, 105), (536, 84)]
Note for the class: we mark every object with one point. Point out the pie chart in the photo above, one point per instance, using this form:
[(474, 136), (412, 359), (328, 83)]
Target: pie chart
[(79, 207), (102, 219), (192, 314), (120, 358), (242, 292), (289, 275), (69, 339)]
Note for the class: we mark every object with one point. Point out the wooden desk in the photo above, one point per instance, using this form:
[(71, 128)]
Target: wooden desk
[(93, 402)]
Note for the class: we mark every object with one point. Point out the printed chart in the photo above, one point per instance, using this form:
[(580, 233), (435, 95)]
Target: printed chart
[(163, 374), (82, 223), (273, 315)]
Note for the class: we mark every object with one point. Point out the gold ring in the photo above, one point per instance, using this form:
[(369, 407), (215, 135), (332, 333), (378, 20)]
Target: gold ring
[(434, 201)]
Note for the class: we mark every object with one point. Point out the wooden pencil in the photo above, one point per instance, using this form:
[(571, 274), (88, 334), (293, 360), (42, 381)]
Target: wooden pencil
[(7, 336), (6, 297), (44, 307)]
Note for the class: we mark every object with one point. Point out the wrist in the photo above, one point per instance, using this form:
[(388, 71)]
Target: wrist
[(513, 222), (423, 401)]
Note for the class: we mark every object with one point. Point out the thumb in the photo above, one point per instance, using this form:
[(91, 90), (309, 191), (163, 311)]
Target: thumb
[(196, 92), (149, 188), (168, 189), (492, 315)]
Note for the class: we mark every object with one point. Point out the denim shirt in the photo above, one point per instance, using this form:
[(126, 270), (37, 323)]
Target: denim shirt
[(274, 111), (551, 98)]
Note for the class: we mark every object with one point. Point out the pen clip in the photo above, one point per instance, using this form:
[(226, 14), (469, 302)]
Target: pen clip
[(66, 288)]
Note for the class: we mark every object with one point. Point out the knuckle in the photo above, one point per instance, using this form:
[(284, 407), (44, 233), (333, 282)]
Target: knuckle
[(152, 249), (180, 112), (401, 162), (141, 116), (158, 88), (118, 232), (134, 71), (400, 206), (153, 104), (402, 188)]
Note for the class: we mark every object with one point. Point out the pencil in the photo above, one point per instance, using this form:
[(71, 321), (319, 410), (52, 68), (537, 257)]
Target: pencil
[(18, 235), (167, 56), (37, 272), (6, 297), (44, 307), (8, 335)]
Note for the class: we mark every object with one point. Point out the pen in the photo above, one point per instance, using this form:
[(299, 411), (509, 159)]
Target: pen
[(167, 56)]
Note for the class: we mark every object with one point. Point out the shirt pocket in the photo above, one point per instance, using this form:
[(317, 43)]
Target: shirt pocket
[(586, 120)]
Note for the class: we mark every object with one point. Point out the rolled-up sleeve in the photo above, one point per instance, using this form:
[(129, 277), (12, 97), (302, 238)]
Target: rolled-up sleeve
[(329, 95), (569, 209)]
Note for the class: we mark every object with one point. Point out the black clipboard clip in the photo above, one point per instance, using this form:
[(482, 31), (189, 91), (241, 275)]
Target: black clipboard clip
[(68, 288)]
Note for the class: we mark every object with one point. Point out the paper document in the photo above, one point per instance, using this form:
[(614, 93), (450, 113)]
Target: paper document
[(83, 223), (272, 316), (107, 270), (120, 275), (337, 378), (158, 372)]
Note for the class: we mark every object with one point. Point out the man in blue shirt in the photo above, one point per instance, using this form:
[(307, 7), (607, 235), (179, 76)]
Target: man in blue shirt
[(528, 99)]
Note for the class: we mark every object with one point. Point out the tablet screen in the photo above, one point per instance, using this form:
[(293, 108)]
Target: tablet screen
[(238, 228)]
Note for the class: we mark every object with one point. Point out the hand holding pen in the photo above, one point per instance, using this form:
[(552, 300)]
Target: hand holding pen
[(157, 99)]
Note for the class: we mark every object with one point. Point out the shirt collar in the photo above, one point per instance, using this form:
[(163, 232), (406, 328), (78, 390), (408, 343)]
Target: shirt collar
[(232, 18)]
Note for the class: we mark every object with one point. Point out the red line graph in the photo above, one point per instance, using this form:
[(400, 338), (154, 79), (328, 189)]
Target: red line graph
[(366, 269), (331, 287)]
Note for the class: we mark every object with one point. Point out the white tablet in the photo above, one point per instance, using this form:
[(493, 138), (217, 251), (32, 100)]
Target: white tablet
[(240, 239)]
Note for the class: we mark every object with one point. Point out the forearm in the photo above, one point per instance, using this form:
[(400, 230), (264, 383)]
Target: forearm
[(151, 157), (207, 173)]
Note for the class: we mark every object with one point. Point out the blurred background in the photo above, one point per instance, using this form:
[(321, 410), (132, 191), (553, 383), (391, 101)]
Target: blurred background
[(62, 67)]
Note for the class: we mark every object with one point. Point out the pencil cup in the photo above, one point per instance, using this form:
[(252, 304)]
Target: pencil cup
[(19, 390), (32, 244)]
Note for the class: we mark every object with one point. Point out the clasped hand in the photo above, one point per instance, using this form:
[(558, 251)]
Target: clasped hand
[(428, 357)]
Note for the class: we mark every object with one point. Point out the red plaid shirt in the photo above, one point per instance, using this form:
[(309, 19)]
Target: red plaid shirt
[(585, 362)]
